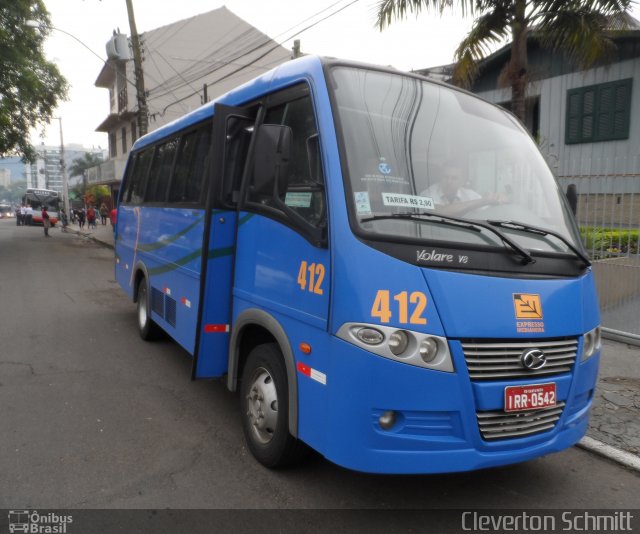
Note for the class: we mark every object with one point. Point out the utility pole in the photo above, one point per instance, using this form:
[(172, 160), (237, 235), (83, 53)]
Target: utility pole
[(143, 112), (296, 49), (65, 178)]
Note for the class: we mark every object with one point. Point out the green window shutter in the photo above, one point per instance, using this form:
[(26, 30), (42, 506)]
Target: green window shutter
[(622, 110), (598, 112), (574, 114), (588, 115)]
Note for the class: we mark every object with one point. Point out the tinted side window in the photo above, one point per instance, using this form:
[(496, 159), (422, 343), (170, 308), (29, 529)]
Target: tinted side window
[(137, 177), (239, 131), (160, 172), (191, 167), (304, 193)]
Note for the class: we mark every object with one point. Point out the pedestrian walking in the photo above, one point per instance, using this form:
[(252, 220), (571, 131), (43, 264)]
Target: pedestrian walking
[(45, 221), (64, 220), (81, 217), (23, 214), (91, 217), (113, 215), (19, 215), (104, 213)]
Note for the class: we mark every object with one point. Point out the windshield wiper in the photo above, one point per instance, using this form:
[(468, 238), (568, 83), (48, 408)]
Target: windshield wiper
[(458, 222), (515, 225)]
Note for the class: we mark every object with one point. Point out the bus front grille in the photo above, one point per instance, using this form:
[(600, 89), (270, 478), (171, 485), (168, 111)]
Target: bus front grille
[(503, 425), (497, 360)]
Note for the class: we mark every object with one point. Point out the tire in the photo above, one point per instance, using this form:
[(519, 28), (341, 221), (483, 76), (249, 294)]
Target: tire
[(147, 328), (264, 398)]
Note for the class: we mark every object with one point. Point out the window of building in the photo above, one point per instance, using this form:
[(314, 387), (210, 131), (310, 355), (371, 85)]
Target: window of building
[(598, 112), (123, 133), (112, 145)]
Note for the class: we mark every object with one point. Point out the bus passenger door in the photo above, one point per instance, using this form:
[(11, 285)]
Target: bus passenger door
[(283, 263), (232, 131)]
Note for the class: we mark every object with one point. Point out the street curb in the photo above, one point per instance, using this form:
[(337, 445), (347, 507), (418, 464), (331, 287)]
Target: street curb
[(612, 453), (92, 237)]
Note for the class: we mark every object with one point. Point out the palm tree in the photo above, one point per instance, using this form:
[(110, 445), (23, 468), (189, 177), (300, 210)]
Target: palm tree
[(578, 28), (80, 165)]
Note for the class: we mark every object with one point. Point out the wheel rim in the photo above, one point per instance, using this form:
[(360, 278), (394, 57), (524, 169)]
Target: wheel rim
[(142, 307), (262, 405)]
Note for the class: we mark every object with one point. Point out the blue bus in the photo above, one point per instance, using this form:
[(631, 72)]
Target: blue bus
[(383, 267)]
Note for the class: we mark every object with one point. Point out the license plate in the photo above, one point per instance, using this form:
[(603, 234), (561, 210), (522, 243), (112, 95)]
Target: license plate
[(534, 397)]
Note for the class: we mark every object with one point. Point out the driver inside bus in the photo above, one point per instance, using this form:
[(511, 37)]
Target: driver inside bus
[(451, 197)]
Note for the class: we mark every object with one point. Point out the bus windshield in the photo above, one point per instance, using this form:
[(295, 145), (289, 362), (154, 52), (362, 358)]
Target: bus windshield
[(36, 198), (413, 147)]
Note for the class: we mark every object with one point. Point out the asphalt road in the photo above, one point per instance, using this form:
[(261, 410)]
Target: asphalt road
[(93, 417)]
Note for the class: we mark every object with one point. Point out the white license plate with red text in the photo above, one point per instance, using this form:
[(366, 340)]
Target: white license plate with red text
[(534, 397)]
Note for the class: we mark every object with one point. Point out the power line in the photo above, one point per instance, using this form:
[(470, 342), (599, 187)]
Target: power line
[(277, 45), (238, 49)]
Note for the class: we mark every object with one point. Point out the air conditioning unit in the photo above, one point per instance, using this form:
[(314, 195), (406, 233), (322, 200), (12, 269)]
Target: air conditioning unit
[(118, 47)]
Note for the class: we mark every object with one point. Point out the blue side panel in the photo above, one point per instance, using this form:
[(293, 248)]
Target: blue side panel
[(168, 243), (363, 272), (216, 316), (268, 263)]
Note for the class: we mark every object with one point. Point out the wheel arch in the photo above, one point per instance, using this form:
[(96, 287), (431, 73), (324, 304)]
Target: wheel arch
[(140, 271), (254, 327)]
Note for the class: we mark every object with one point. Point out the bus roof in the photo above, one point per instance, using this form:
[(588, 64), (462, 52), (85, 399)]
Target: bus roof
[(305, 67), (290, 72)]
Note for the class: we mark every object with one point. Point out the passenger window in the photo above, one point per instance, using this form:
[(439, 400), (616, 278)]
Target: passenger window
[(239, 131), (191, 166), (304, 193), (135, 187), (160, 172)]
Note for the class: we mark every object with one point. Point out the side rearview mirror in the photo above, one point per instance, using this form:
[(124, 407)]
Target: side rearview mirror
[(271, 160)]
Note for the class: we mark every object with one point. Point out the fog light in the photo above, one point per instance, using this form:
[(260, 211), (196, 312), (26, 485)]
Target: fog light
[(428, 350), (588, 344), (370, 336), (597, 339), (398, 342), (387, 419)]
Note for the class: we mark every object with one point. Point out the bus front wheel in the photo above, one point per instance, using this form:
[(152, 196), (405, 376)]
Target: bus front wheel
[(264, 399), (147, 328)]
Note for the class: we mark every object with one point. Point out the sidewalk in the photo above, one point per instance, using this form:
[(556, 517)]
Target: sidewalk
[(102, 233), (615, 416)]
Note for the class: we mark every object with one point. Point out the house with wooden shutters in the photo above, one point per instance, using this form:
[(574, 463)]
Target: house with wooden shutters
[(586, 122)]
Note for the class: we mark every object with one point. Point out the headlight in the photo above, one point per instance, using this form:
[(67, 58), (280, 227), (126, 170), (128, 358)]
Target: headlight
[(370, 336), (398, 342), (428, 349), (591, 343), (406, 346)]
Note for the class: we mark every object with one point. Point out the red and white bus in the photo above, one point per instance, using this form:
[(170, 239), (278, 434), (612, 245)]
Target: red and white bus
[(36, 198)]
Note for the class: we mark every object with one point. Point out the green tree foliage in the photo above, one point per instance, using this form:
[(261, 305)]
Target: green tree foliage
[(96, 194), (30, 85), (79, 165), (578, 28)]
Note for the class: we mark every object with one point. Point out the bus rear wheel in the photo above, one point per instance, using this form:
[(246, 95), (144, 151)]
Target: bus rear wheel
[(147, 328), (264, 397)]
